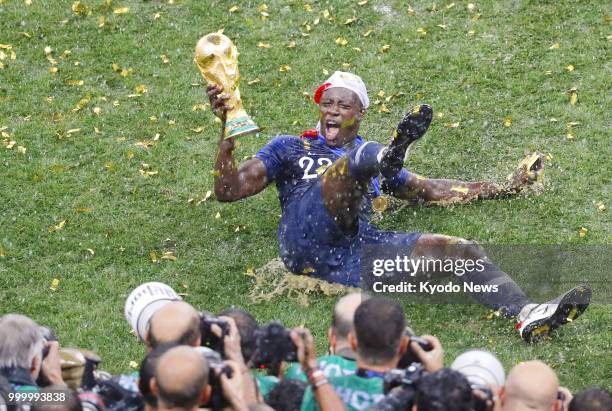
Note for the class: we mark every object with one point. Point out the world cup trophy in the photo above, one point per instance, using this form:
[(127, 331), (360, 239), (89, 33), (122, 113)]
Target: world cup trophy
[(217, 58)]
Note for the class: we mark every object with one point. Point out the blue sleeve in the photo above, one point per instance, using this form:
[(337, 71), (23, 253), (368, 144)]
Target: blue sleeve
[(274, 155), (392, 184)]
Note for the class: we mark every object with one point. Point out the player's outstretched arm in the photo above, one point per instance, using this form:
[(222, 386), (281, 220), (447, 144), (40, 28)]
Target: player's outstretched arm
[(444, 191), (231, 182)]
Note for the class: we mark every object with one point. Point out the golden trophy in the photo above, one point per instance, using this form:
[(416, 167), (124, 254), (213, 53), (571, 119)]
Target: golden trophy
[(217, 58)]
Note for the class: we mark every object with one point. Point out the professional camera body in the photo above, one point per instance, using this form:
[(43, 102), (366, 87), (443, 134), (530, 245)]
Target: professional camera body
[(273, 345), (109, 395), (209, 338), (410, 356), (216, 367), (399, 388)]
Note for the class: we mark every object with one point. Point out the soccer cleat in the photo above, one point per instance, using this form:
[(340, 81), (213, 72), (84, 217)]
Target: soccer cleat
[(536, 321), (412, 127)]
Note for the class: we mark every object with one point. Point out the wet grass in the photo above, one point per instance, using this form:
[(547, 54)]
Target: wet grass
[(477, 67)]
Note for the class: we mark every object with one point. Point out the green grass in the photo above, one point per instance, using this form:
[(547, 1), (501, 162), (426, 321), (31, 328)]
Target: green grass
[(92, 181)]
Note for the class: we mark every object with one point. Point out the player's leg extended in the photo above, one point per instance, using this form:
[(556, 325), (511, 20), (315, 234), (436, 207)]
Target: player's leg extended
[(346, 181), (534, 320), (510, 298)]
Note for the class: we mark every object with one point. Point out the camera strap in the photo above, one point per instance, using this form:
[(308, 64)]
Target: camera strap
[(363, 373)]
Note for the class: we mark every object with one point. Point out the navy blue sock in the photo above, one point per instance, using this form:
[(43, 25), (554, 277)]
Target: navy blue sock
[(363, 161)]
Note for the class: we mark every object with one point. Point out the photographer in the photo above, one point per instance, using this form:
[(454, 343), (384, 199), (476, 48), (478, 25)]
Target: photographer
[(181, 380), (147, 372), (443, 390), (21, 354), (341, 360), (177, 322), (533, 385), (379, 341)]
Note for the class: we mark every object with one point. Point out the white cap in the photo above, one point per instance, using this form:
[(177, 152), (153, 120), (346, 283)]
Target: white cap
[(480, 367), (144, 301), (345, 80)]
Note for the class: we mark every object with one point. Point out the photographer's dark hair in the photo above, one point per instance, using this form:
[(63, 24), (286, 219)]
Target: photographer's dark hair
[(444, 390), (593, 399), (287, 395), (246, 325), (379, 327), (147, 371)]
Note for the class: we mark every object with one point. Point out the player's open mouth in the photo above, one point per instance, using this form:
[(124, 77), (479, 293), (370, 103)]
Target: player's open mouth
[(331, 129)]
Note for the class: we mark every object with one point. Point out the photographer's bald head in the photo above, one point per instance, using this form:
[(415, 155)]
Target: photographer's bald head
[(531, 385), (177, 322), (181, 379)]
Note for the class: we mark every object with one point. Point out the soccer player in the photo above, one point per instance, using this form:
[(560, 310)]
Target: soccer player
[(327, 180)]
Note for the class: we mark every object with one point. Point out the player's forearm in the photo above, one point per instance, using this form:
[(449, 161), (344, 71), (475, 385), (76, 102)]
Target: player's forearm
[(442, 190), (227, 179)]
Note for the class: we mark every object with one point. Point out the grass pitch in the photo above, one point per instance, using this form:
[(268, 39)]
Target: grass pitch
[(108, 146)]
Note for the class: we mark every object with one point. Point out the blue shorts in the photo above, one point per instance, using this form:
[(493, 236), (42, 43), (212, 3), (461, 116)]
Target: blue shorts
[(312, 243)]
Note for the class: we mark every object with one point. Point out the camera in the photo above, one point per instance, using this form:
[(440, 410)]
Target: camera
[(109, 395), (273, 345), (484, 399), (210, 339), (216, 367), (399, 388), (410, 356)]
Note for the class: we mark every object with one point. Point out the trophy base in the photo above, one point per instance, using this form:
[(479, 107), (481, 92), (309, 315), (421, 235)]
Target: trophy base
[(240, 126)]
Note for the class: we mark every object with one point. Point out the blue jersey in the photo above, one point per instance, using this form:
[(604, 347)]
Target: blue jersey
[(296, 164)]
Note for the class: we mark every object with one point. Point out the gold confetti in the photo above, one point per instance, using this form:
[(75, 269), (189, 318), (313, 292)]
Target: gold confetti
[(263, 7), (263, 45), (357, 49), (54, 284), (73, 130), (153, 256), (291, 45), (80, 9), (130, 154), (82, 103), (422, 31), (410, 11), (48, 50), (381, 94), (341, 41), (84, 210), (8, 144), (97, 111), (168, 255), (442, 26), (554, 46), (234, 9), (325, 72), (164, 59), (307, 7), (452, 125), (27, 2), (573, 96), (570, 135), (583, 232), (385, 48), (58, 227), (363, 2), (134, 365), (570, 68), (284, 68), (476, 17), (383, 109), (460, 189), (218, 215), (122, 10), (197, 129), (471, 32), (254, 81), (101, 21), (471, 6), (450, 6), (367, 33), (52, 70), (156, 16), (140, 89), (350, 21), (508, 121), (600, 206), (21, 149), (327, 15), (25, 34), (148, 173), (75, 82), (90, 251)]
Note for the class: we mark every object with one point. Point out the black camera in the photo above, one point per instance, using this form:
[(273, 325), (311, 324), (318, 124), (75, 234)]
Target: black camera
[(109, 395), (410, 356), (210, 339), (399, 388), (273, 345), (216, 367)]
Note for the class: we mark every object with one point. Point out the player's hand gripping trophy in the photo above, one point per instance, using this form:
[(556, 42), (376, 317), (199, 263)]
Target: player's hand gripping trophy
[(217, 58)]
